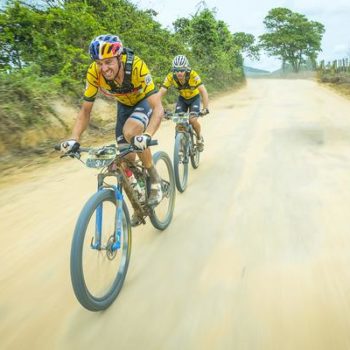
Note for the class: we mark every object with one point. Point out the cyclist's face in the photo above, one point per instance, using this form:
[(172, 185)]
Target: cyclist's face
[(109, 67), (180, 74)]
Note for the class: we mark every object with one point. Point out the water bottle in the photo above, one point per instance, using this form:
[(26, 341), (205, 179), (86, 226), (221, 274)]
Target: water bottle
[(134, 184)]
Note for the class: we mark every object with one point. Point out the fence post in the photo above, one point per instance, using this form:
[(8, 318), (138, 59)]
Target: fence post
[(322, 67), (334, 66)]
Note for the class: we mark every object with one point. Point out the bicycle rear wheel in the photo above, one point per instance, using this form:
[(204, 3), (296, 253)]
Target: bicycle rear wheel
[(181, 162), (162, 214), (194, 154), (98, 267)]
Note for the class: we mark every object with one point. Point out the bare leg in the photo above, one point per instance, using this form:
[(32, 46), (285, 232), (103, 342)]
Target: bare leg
[(132, 128), (197, 128)]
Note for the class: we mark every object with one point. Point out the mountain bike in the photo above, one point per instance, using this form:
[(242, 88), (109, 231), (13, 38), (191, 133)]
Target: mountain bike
[(101, 245), (185, 148)]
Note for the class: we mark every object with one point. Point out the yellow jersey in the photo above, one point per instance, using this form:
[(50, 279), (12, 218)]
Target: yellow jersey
[(141, 86), (189, 88)]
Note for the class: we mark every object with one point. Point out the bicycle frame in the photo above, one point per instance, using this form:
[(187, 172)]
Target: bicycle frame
[(115, 169), (183, 125), (112, 166)]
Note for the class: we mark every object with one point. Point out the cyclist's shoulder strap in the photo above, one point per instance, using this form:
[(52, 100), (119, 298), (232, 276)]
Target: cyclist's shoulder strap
[(128, 64), (186, 84)]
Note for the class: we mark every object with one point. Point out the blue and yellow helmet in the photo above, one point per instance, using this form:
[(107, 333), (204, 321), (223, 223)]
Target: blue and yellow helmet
[(105, 46)]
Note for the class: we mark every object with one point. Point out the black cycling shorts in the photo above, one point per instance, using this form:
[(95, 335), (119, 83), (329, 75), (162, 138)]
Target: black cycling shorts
[(141, 112), (191, 105)]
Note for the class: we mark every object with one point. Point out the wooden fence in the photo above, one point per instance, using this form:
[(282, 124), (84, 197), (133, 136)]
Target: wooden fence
[(335, 66)]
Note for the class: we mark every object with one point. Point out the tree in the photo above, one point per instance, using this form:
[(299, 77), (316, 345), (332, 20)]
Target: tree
[(246, 43), (214, 50), (291, 37), (16, 41)]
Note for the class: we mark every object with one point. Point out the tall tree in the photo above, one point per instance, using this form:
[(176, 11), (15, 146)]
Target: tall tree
[(246, 44), (291, 37)]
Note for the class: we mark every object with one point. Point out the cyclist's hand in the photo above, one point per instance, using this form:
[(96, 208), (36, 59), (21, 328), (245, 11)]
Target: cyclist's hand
[(204, 111), (141, 141), (69, 146)]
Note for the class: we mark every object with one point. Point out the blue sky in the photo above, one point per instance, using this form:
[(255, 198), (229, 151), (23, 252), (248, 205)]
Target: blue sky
[(247, 16)]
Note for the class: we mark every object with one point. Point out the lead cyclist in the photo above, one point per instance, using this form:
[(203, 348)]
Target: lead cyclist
[(119, 74)]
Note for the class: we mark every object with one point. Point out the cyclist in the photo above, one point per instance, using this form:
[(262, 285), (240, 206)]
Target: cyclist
[(118, 73), (191, 88)]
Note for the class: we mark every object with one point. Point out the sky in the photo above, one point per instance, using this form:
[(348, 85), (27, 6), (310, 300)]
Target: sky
[(248, 15)]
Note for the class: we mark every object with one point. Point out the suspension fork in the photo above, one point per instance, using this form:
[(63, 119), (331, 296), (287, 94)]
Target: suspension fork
[(118, 217), (96, 241)]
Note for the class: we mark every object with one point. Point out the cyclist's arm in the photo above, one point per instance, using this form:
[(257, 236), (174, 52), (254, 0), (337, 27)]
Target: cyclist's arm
[(83, 119), (162, 91), (204, 94), (157, 113)]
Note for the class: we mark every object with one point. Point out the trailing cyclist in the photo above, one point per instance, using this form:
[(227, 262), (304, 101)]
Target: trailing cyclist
[(191, 89), (118, 73)]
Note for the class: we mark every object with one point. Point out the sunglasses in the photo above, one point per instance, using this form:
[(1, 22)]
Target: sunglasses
[(179, 70)]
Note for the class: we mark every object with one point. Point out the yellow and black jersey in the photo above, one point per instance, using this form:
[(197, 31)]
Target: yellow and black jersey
[(187, 89), (139, 87)]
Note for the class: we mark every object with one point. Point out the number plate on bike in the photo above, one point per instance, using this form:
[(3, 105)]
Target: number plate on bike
[(101, 158), (180, 118)]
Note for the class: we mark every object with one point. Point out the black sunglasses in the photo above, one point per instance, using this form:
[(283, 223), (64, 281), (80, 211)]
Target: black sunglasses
[(179, 69)]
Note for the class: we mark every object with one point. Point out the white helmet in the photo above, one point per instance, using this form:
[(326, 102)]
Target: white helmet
[(180, 62)]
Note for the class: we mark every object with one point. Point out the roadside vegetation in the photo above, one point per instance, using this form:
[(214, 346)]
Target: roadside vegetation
[(336, 75), (44, 58)]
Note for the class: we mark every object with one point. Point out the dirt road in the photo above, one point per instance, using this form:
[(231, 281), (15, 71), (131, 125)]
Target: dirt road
[(257, 256)]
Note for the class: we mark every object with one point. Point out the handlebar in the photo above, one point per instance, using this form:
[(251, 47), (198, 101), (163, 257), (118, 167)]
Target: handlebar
[(182, 114), (124, 150)]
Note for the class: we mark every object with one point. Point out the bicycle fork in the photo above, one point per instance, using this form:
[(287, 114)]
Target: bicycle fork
[(185, 145), (114, 241)]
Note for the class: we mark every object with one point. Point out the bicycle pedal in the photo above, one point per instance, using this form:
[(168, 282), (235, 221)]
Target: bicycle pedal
[(137, 221)]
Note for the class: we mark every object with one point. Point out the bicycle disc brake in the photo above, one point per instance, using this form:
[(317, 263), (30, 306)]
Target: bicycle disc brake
[(111, 251)]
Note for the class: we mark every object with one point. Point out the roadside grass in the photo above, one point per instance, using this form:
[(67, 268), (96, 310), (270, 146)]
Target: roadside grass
[(339, 82)]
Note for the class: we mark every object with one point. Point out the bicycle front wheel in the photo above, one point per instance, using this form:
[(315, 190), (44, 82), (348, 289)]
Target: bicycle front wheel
[(162, 214), (181, 162), (100, 251)]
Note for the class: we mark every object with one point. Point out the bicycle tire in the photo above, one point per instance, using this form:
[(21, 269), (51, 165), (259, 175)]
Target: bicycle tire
[(81, 290), (194, 154), (168, 187), (181, 177)]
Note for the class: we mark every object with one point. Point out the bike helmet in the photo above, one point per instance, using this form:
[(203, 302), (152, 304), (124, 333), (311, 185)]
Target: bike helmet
[(180, 62), (105, 46)]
